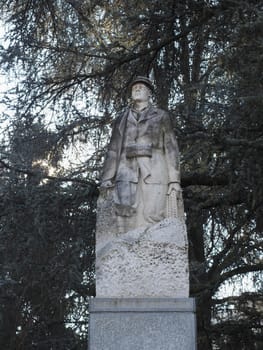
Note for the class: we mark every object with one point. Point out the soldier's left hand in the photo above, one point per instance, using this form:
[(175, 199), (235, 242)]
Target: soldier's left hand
[(174, 186)]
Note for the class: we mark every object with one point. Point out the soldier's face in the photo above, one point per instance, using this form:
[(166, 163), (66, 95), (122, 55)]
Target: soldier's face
[(140, 92)]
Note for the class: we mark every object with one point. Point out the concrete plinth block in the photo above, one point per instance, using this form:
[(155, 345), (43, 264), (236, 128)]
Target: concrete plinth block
[(142, 324)]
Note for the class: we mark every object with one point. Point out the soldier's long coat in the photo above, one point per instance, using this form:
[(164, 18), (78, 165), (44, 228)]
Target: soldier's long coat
[(141, 182)]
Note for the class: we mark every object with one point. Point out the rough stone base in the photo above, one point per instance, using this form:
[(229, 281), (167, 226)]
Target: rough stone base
[(145, 262), (142, 324)]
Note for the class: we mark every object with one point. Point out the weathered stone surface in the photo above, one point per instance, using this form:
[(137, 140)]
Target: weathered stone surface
[(106, 228), (145, 262), (142, 324)]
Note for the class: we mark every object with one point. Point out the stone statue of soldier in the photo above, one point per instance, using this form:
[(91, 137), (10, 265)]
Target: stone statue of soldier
[(142, 163)]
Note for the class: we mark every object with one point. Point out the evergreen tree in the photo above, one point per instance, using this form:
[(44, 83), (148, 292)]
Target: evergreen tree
[(74, 61)]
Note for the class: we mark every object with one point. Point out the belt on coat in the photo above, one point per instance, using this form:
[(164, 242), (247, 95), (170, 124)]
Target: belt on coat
[(138, 150)]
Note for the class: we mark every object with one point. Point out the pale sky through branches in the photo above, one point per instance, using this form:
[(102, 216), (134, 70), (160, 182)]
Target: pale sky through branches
[(77, 154)]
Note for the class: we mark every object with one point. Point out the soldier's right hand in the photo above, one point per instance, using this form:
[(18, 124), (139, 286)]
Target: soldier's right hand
[(106, 184)]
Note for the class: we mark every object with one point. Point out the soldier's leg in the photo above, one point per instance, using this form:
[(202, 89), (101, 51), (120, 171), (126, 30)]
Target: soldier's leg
[(154, 199)]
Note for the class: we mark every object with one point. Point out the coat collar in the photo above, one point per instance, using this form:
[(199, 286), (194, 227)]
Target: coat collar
[(149, 114)]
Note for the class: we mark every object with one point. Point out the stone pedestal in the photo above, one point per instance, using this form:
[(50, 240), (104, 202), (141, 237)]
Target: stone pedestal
[(142, 324), (142, 286)]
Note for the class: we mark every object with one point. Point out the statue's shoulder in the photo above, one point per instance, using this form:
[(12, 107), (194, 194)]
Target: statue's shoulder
[(161, 112), (119, 116), (121, 113)]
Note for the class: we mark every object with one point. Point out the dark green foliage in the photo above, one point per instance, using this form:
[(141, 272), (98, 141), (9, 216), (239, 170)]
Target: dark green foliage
[(47, 250), (47, 246)]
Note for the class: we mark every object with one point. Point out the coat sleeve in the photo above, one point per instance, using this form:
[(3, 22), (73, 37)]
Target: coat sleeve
[(171, 150), (111, 161)]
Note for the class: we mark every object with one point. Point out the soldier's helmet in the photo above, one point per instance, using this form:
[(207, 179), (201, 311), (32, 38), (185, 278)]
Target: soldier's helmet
[(144, 80)]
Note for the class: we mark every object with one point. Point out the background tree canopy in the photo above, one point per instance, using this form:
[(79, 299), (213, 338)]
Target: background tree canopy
[(69, 64)]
